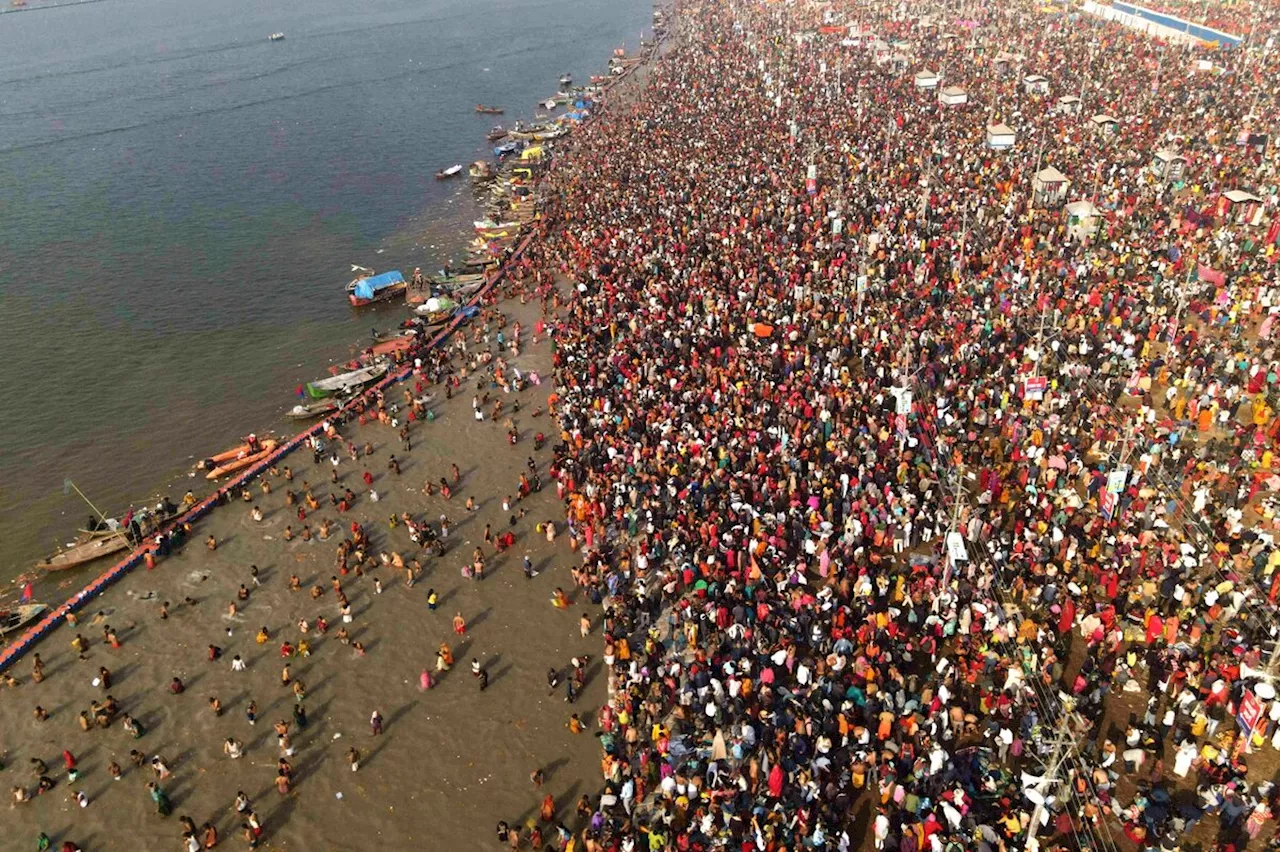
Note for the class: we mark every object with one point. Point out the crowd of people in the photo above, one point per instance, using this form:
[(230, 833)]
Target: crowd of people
[(921, 513)]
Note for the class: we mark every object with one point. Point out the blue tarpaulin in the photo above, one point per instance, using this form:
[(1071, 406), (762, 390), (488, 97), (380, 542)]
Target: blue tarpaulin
[(366, 288)]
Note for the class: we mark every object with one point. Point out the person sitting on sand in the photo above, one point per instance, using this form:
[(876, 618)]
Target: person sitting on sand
[(176, 687), (264, 636), (211, 543)]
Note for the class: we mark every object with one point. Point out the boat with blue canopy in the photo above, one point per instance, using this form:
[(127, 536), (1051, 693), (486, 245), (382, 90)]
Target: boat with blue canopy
[(376, 288)]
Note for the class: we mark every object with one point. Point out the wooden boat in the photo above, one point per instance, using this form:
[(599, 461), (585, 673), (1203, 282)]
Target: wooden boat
[(388, 347), (452, 171), (87, 551), (498, 132), (236, 464), (276, 37), (314, 409), (19, 616), (344, 382), (464, 290), (566, 79), (403, 331), (454, 278), (488, 110), (376, 288)]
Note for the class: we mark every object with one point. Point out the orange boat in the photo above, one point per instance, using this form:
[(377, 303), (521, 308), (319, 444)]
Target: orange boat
[(230, 455), (396, 344), (237, 463)]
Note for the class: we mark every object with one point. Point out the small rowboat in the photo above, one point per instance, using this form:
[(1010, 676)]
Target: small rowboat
[(19, 616), (345, 382), (86, 552), (488, 110), (498, 132), (452, 171), (236, 464), (315, 409)]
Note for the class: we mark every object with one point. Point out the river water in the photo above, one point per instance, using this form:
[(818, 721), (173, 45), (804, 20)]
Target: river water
[(181, 200)]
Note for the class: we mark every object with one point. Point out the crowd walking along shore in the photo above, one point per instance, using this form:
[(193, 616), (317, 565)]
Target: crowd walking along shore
[(875, 450)]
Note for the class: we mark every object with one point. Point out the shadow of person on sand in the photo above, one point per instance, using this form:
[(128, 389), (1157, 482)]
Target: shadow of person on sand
[(500, 674), (398, 714), (549, 771)]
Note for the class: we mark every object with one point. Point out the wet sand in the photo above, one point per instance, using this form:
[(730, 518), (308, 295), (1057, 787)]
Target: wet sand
[(452, 761)]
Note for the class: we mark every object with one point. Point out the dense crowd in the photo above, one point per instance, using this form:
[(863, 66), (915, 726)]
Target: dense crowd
[(864, 575)]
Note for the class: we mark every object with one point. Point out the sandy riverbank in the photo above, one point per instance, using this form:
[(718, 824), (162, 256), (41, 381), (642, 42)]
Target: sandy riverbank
[(453, 760)]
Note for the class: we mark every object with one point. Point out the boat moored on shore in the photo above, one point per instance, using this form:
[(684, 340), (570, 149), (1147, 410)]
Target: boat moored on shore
[(345, 382), (267, 447), (13, 618), (87, 551), (306, 411)]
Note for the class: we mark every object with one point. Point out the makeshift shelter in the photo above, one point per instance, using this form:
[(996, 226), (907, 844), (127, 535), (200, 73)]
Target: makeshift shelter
[(953, 96), (1106, 123), (1001, 136), (1035, 84), (926, 79), (1241, 206), (1005, 61), (1169, 165), (1083, 220), (1049, 187), (1069, 105)]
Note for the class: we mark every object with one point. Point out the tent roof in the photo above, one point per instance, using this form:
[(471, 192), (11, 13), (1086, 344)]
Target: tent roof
[(1082, 208), (1169, 155), (1001, 129), (953, 90), (1103, 118), (1051, 175), (1235, 196)]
